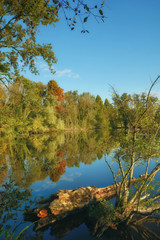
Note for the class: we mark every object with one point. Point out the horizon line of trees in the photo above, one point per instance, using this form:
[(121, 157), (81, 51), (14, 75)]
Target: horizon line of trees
[(28, 107)]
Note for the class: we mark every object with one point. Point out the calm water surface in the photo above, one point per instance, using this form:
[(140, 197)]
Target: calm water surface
[(39, 166)]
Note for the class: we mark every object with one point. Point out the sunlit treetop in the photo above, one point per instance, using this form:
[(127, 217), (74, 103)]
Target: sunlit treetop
[(54, 89), (19, 22)]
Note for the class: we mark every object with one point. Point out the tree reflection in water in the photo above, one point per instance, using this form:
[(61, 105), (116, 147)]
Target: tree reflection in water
[(24, 161), (136, 205), (37, 157), (139, 146)]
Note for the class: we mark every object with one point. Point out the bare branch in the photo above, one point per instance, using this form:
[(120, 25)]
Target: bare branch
[(112, 173), (147, 101)]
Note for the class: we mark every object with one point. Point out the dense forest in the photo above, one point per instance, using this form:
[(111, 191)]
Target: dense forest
[(28, 107)]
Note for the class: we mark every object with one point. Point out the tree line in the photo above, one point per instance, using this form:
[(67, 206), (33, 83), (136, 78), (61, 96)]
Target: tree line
[(28, 107)]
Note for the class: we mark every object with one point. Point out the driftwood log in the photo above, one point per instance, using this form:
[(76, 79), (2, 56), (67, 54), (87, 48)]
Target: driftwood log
[(70, 202)]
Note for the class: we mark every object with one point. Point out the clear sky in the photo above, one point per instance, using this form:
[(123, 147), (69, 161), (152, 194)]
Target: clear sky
[(123, 52)]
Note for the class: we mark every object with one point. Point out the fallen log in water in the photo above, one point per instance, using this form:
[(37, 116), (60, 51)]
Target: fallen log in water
[(68, 202)]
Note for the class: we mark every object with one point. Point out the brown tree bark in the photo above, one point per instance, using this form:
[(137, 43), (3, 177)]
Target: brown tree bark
[(70, 202)]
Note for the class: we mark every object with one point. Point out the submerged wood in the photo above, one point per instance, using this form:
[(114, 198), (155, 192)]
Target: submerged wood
[(69, 202)]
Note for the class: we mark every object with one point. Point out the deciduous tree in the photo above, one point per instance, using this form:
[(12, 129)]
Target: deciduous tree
[(19, 22)]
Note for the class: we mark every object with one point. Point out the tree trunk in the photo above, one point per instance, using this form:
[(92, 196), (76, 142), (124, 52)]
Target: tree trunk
[(69, 202)]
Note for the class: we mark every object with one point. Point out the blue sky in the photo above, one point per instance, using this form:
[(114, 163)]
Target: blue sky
[(123, 52)]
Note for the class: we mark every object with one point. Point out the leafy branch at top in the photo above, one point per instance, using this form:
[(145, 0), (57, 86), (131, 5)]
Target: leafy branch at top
[(19, 24)]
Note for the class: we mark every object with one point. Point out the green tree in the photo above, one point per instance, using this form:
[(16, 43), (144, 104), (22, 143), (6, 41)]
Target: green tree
[(138, 146), (25, 104), (69, 112), (136, 111), (101, 116), (111, 113), (86, 110), (99, 101), (27, 108), (19, 22)]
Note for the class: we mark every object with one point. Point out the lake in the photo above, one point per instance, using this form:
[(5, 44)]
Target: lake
[(33, 168)]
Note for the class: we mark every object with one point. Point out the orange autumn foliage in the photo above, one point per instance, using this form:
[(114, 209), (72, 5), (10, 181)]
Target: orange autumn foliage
[(42, 214), (59, 171), (61, 167), (59, 154), (58, 108), (54, 89), (60, 94)]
